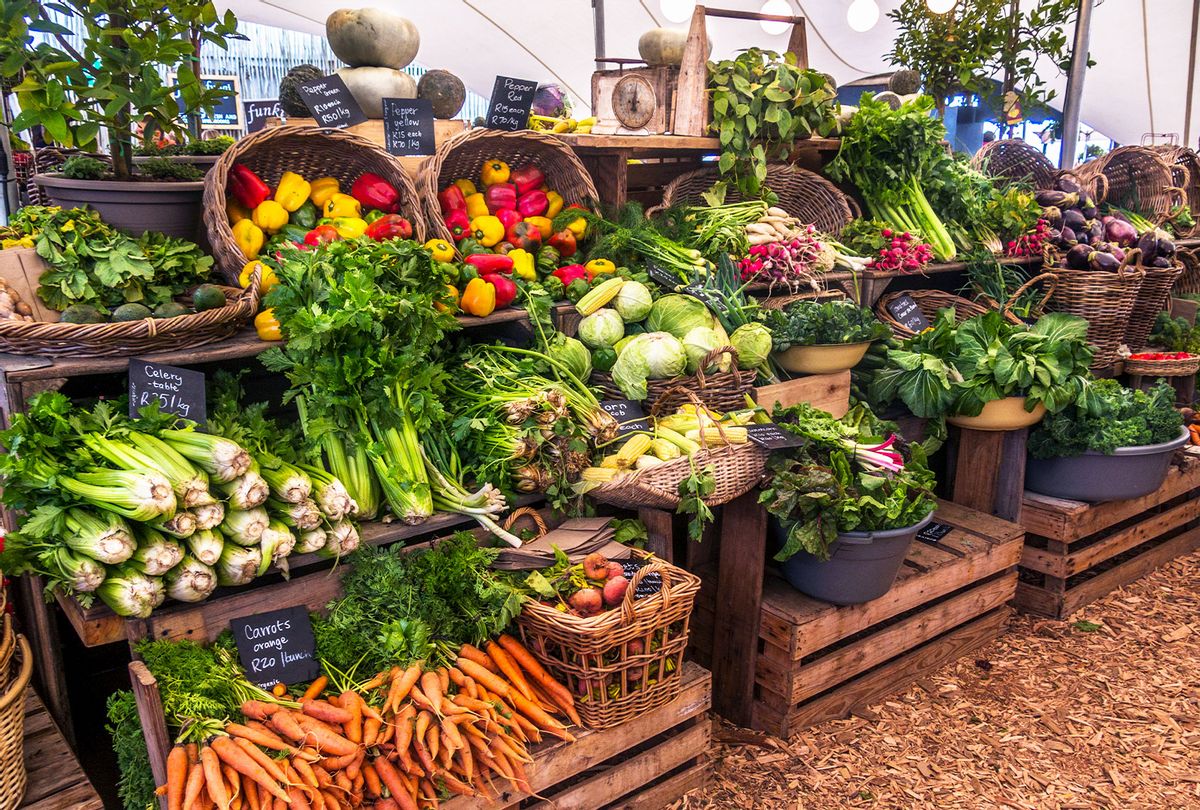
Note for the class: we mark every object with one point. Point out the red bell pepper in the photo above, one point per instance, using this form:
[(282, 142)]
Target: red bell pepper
[(525, 235), (390, 226), (500, 196), (506, 290), (570, 272), (247, 187), (374, 192), (458, 223), (321, 234), (451, 199), (526, 178), (533, 203), (508, 217), (564, 243), (490, 263)]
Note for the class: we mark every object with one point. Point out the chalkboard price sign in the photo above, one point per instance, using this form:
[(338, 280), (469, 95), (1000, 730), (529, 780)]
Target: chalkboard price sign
[(408, 126), (905, 310), (277, 647), (331, 103), (772, 436), (661, 277), (257, 113), (650, 584), (629, 415), (177, 390), (934, 532), (512, 99)]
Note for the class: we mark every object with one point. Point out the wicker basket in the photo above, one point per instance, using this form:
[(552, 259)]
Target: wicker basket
[(1153, 297), (464, 155), (132, 337), (1016, 160), (1185, 174), (1163, 368), (719, 390), (805, 195), (12, 726), (1104, 300), (311, 153), (1189, 282), (930, 302), (1139, 179), (626, 647)]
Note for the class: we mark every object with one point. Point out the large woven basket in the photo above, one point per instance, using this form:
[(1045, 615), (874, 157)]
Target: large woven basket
[(1017, 161), (1185, 172), (12, 726), (1189, 282), (1186, 367), (464, 155), (718, 390), (311, 153), (1104, 300), (624, 661), (805, 195), (930, 302), (132, 337), (1138, 179), (1153, 297)]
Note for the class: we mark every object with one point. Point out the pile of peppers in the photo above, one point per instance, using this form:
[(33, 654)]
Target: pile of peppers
[(309, 213)]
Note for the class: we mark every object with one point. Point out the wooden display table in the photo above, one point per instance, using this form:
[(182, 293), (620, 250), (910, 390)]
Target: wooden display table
[(372, 129), (56, 780)]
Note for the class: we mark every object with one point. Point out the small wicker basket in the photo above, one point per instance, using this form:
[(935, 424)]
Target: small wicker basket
[(1136, 178), (1186, 367), (463, 155), (1185, 172), (1016, 160), (311, 153), (1105, 300), (1153, 297), (13, 778), (1188, 282), (930, 302), (719, 390)]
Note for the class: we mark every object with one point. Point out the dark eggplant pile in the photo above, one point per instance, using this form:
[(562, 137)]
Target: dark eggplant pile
[(1088, 241)]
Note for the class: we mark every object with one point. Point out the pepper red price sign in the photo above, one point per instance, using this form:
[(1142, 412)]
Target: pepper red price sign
[(512, 99)]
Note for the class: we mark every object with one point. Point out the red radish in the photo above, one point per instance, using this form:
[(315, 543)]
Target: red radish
[(595, 566), (614, 590), (587, 601)]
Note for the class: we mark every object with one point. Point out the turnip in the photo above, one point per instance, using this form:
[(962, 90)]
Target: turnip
[(587, 601), (614, 590), (595, 566)]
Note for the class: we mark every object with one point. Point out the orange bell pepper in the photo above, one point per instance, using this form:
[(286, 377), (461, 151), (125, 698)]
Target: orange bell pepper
[(478, 298)]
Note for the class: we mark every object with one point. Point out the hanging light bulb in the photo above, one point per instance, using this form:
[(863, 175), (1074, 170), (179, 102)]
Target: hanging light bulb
[(862, 15), (780, 8), (940, 6), (677, 11)]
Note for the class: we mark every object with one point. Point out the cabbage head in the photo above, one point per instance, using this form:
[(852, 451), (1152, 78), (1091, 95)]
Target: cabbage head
[(572, 354), (604, 327), (753, 344), (678, 315), (650, 356), (633, 302), (699, 342)]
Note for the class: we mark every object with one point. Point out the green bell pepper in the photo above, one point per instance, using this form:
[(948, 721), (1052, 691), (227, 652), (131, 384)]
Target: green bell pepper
[(305, 216)]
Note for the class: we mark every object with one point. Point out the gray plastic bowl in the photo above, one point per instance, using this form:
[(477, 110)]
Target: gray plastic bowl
[(1130, 472), (862, 565)]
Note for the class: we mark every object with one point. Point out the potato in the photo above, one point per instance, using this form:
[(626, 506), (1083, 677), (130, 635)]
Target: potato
[(372, 37), (371, 85)]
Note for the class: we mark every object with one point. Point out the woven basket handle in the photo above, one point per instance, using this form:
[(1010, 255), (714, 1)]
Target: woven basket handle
[(1051, 283), (712, 357), (1101, 182), (627, 614), (529, 512), (1133, 256), (690, 396), (1180, 199)]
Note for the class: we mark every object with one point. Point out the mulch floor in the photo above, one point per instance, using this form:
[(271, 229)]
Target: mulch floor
[(1101, 711)]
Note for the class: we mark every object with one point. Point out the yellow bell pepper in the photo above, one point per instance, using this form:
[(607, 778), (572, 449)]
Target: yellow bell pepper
[(350, 227), (270, 216), (442, 250), (466, 186), (494, 171), (292, 191), (523, 264), (267, 326), (600, 267), (556, 204), (476, 206), (266, 276), (321, 189), (342, 205), (544, 225), (487, 230), (478, 299), (452, 294), (578, 227), (235, 211), (249, 237)]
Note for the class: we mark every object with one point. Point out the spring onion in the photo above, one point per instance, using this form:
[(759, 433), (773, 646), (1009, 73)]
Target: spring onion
[(190, 581), (222, 459), (207, 545), (238, 565), (155, 553), (103, 537), (245, 527)]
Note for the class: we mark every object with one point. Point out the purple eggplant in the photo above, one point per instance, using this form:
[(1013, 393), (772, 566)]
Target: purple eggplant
[(1103, 262), (1053, 216), (1121, 232), (1067, 237), (1103, 247), (1067, 185), (1059, 199), (1077, 257), (1074, 220), (1096, 230), (1118, 253), (1156, 244), (1161, 262)]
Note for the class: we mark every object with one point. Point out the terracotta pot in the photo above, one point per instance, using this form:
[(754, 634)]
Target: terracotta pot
[(133, 206), (822, 359), (1001, 414)]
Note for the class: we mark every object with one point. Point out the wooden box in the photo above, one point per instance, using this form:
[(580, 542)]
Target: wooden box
[(818, 661), (1077, 552), (828, 392), (372, 129)]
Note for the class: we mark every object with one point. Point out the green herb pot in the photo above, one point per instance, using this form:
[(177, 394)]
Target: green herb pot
[(862, 565), (826, 358), (1001, 414), (1130, 472), (133, 206)]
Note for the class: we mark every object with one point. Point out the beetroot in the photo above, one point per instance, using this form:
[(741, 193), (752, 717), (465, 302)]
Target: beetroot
[(587, 601), (614, 590), (615, 569), (595, 566)]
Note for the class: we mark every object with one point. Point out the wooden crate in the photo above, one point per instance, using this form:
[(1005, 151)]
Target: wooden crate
[(1077, 552), (372, 129), (826, 392), (56, 780), (818, 661)]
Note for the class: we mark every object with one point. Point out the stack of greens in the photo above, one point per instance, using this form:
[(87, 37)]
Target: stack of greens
[(1121, 417), (809, 323)]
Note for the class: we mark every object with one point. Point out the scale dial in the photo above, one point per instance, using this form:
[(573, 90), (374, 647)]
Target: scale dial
[(634, 101)]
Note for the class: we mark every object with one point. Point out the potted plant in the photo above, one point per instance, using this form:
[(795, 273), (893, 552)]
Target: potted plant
[(202, 153), (822, 338), (1115, 445), (109, 81), (987, 373), (846, 505)]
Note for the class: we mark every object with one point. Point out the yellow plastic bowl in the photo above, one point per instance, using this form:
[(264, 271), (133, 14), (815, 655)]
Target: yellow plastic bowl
[(1001, 414), (822, 359)]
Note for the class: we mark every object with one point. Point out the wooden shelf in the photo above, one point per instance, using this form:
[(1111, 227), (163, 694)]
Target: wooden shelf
[(56, 780), (948, 267), (673, 144)]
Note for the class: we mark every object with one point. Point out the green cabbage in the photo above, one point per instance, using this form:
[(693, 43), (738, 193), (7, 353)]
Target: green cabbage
[(604, 327), (572, 354), (652, 356), (753, 344), (699, 342), (678, 315), (633, 302)]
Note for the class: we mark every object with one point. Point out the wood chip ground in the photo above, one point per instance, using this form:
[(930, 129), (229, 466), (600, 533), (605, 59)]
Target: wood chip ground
[(1100, 711)]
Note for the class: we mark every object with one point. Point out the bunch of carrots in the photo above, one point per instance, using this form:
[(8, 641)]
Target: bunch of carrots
[(396, 742)]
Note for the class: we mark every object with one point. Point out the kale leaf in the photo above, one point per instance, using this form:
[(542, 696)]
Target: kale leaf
[(809, 323), (1120, 417)]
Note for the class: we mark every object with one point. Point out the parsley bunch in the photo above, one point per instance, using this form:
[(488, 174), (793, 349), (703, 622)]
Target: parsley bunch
[(809, 323)]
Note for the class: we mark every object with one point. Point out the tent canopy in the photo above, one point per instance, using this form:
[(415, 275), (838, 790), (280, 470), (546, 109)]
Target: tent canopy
[(1138, 85)]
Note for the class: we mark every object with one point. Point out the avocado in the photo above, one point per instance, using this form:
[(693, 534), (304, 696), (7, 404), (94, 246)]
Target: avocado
[(82, 313), (207, 296), (130, 312), (171, 309)]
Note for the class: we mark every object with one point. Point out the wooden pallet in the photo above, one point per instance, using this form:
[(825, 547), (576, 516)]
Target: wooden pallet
[(1077, 552), (818, 661), (56, 780)]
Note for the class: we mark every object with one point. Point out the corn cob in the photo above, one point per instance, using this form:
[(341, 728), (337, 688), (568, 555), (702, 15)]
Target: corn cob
[(610, 462), (724, 435), (633, 449), (599, 474), (664, 450), (688, 446), (599, 295), (646, 462)]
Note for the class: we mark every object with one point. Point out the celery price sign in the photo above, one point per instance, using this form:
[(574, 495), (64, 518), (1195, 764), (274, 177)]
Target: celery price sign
[(176, 390), (512, 99), (277, 647)]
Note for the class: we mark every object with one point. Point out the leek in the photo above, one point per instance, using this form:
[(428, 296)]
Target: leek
[(245, 527), (206, 546), (128, 592), (141, 496), (332, 498), (288, 483), (277, 543), (303, 516), (104, 538), (181, 525), (156, 554), (222, 459), (76, 571), (247, 491), (238, 565), (341, 539), (310, 541), (209, 515), (190, 581)]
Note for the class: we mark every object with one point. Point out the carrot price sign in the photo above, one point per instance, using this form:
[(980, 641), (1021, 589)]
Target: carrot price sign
[(277, 646)]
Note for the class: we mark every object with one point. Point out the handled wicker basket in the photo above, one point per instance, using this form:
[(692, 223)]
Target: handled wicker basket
[(1136, 178), (1185, 172), (311, 153), (13, 684), (1016, 160), (1153, 297), (1103, 299), (622, 662), (128, 338), (1188, 282), (718, 390), (464, 155), (930, 302)]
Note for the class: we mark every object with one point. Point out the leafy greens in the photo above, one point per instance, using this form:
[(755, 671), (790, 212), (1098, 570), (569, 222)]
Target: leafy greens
[(809, 323), (1124, 418)]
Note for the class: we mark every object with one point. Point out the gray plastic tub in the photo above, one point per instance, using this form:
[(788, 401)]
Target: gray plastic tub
[(1130, 472), (862, 565)]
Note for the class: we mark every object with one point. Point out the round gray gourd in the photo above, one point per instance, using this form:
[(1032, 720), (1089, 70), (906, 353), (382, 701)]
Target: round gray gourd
[(371, 85), (664, 46), (445, 92), (371, 37)]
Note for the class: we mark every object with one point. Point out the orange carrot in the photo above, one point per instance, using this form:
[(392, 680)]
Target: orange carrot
[(326, 712), (509, 668), (265, 762), (455, 786), (472, 689), (457, 678), (177, 773), (233, 785), (236, 757), (353, 725), (386, 804), (315, 688), (213, 780), (482, 676), (257, 710), (195, 785), (326, 741), (304, 772), (375, 682), (253, 802), (423, 755), (431, 687), (374, 785), (395, 784), (443, 679), (401, 686), (535, 713), (433, 740), (279, 690), (263, 736), (468, 761), (297, 799), (371, 728), (479, 657), (561, 694), (337, 763)]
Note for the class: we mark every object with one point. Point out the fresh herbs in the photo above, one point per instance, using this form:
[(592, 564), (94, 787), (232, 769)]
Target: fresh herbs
[(135, 787), (809, 323), (700, 484), (1122, 417)]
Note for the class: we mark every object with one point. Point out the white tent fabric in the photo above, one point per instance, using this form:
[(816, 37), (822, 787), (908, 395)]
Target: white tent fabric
[(1137, 86)]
